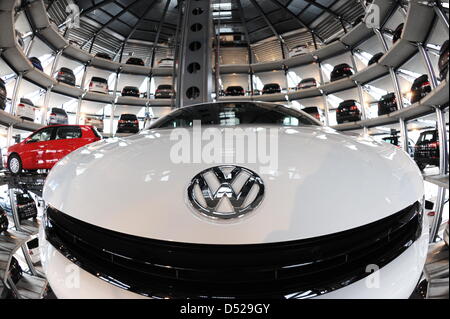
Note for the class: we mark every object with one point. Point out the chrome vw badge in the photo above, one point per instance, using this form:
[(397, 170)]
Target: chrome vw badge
[(225, 192)]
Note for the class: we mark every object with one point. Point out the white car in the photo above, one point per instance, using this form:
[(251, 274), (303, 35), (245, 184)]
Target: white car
[(26, 110), (165, 63), (95, 122), (333, 216), (299, 50), (99, 85)]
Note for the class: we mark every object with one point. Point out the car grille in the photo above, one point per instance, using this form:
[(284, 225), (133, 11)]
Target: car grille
[(303, 268)]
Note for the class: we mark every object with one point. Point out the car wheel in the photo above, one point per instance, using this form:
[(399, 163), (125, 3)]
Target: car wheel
[(15, 164)]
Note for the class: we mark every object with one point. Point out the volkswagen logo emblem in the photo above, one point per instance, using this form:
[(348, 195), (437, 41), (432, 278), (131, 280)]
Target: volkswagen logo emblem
[(225, 192)]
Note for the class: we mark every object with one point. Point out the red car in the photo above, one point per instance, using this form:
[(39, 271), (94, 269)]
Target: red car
[(45, 147)]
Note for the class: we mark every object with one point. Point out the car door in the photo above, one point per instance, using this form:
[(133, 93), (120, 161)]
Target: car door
[(67, 139), (35, 149)]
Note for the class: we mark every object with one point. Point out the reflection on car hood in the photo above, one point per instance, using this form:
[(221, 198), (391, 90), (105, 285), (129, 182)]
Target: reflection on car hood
[(325, 182)]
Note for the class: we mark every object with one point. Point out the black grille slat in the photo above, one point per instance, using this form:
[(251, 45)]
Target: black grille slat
[(153, 267)]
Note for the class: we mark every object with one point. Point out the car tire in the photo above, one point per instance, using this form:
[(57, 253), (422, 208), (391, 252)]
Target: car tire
[(15, 164)]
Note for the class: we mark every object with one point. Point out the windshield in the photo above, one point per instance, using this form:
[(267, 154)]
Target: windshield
[(231, 114)]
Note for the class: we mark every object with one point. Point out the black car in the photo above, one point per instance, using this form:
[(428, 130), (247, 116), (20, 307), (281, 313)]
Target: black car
[(376, 58), (3, 221), (130, 91), (66, 75), (398, 33), (26, 206), (427, 149), (271, 88), (234, 91), (443, 60), (135, 61), (103, 56), (3, 94), (387, 104), (164, 91), (307, 83), (348, 111), (128, 123), (37, 63), (15, 270), (420, 88), (314, 111), (341, 71)]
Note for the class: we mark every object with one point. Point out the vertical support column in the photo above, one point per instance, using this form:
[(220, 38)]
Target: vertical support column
[(360, 92), (324, 96), (113, 105), (15, 93), (80, 99), (397, 91), (194, 72), (44, 109)]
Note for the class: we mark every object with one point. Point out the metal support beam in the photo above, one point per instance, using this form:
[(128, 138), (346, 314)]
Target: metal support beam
[(194, 83), (271, 27), (158, 33), (296, 18), (249, 47), (397, 91), (442, 15)]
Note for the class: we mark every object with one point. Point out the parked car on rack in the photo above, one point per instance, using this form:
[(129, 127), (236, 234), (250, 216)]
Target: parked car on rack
[(4, 223), (307, 83), (315, 112), (99, 85), (56, 140), (164, 91), (443, 60), (36, 63), (26, 110), (26, 206), (58, 116), (166, 63), (398, 33), (135, 61), (348, 111), (130, 91), (420, 88), (3, 95), (299, 50), (128, 123), (257, 244), (376, 58), (387, 104), (341, 71), (103, 56), (33, 250), (271, 88), (235, 90), (15, 271), (427, 149), (66, 75), (94, 121)]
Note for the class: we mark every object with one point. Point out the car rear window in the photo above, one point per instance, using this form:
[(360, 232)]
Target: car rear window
[(101, 80), (271, 86), (68, 132), (128, 117), (165, 87), (428, 136), (59, 111)]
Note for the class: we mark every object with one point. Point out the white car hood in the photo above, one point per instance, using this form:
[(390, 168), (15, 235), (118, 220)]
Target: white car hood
[(326, 182)]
